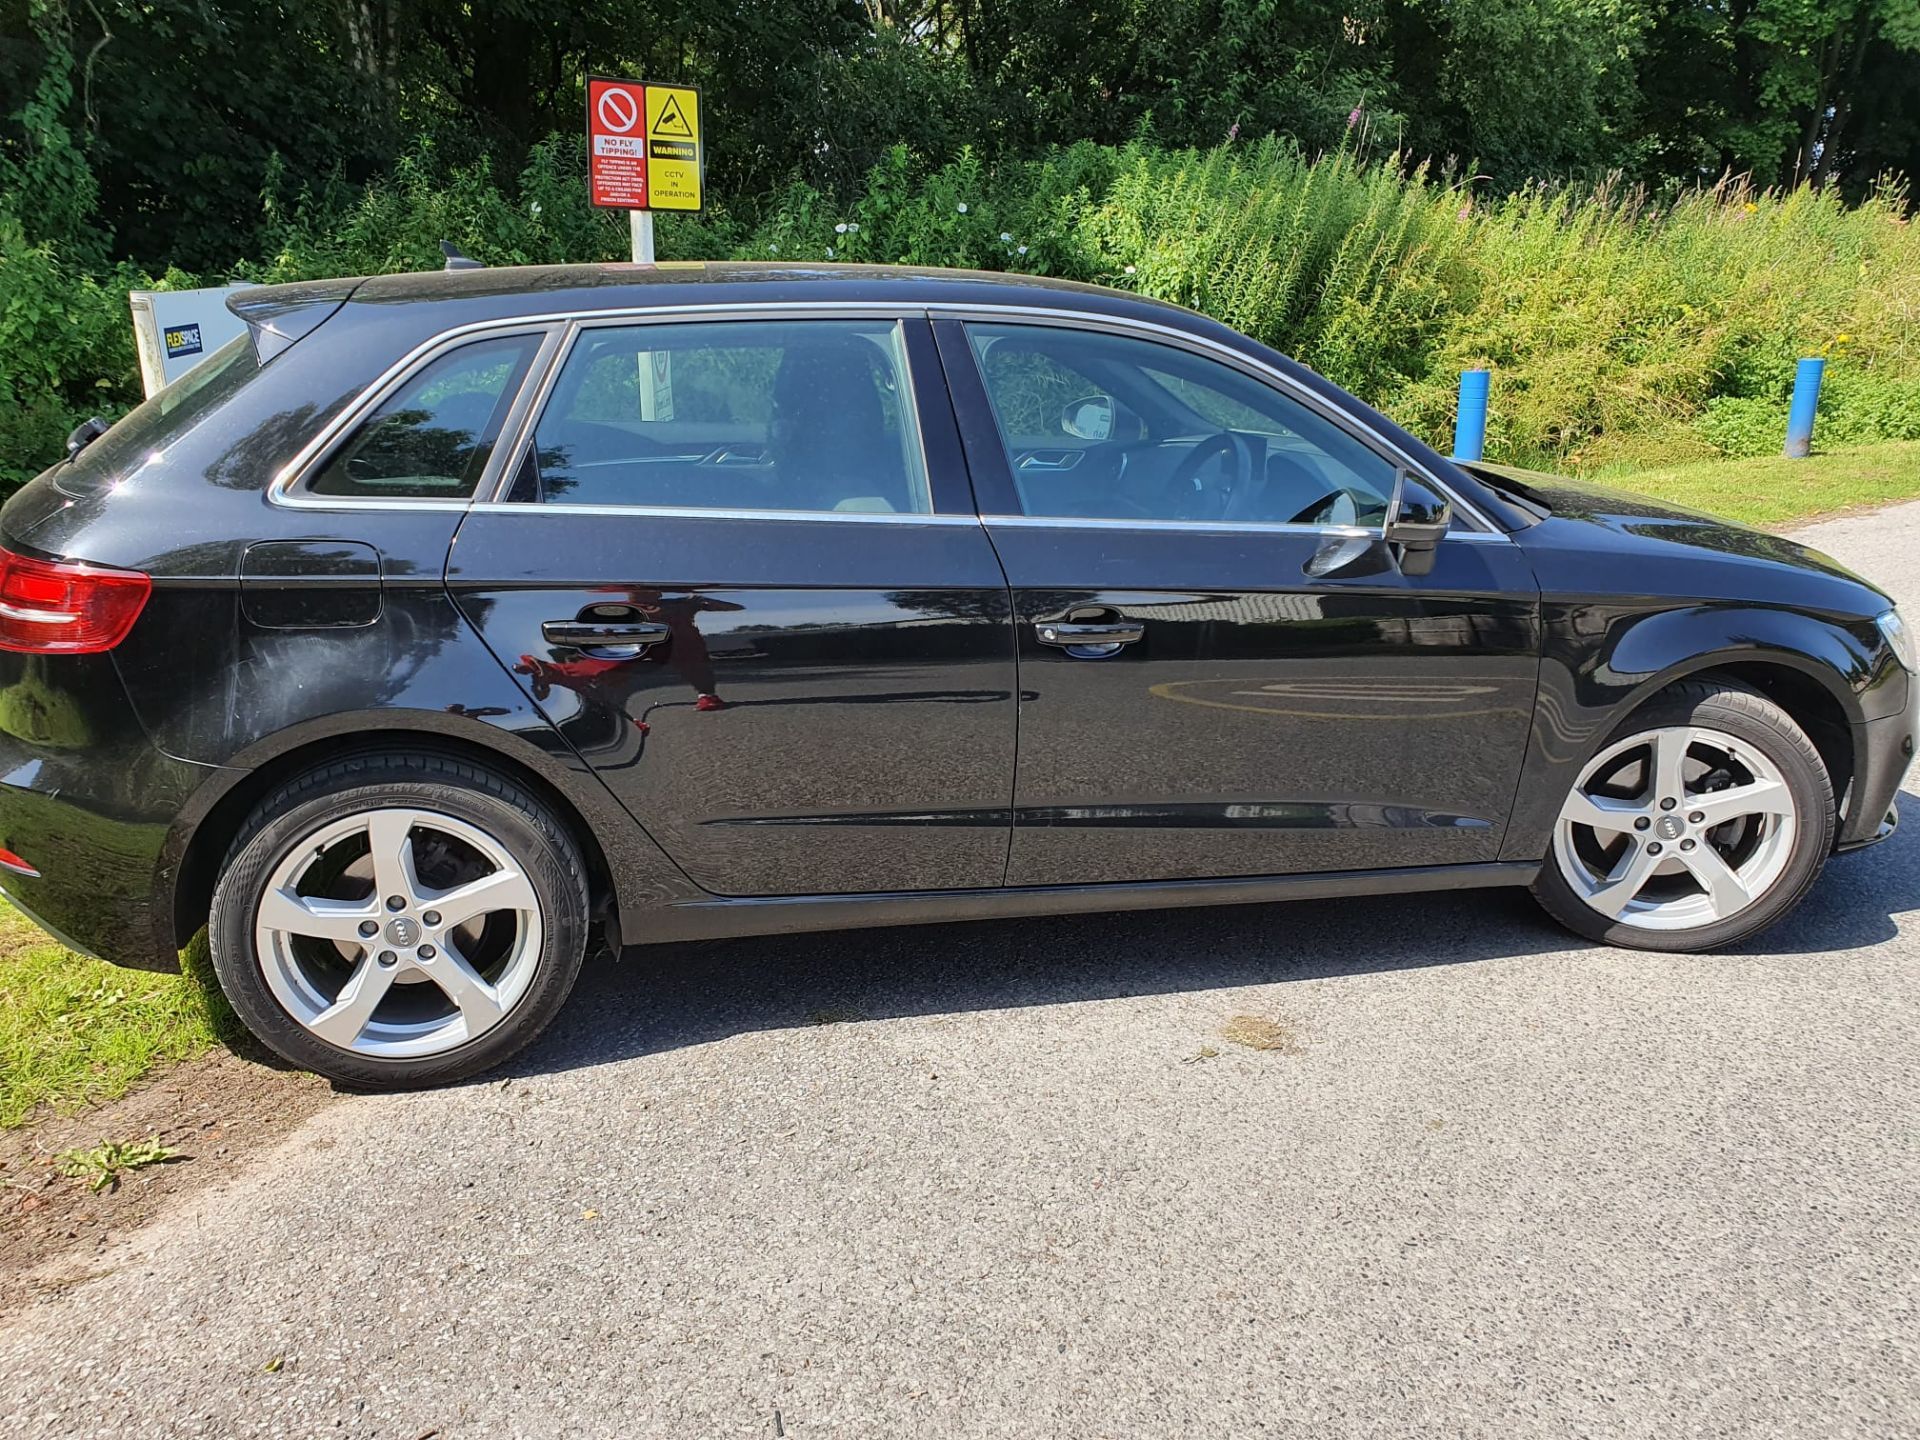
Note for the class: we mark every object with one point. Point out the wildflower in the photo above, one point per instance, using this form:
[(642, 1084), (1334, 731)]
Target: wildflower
[(773, 249), (841, 228), (853, 229), (1023, 250), (962, 207), (1843, 339), (1129, 269), (1750, 208), (1233, 132), (534, 209), (1353, 117), (1006, 237), (829, 252)]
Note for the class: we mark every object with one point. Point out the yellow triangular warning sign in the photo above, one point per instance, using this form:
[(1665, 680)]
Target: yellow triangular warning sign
[(671, 121)]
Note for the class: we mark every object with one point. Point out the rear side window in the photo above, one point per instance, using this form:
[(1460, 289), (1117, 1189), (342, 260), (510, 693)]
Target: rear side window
[(804, 415), (431, 439)]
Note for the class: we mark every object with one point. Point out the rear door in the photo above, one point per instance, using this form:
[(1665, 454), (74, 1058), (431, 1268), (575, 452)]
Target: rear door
[(1224, 668), (737, 562)]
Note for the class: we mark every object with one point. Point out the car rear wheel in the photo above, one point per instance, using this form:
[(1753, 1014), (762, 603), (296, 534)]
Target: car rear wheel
[(399, 920), (1700, 822)]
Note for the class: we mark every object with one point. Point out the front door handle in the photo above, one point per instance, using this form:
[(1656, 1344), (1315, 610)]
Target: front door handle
[(607, 637), (1090, 640)]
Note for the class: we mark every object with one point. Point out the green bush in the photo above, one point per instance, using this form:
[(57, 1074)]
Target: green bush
[(1743, 425), (1616, 327)]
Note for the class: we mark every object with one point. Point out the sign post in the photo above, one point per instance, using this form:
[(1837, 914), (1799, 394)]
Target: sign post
[(645, 152)]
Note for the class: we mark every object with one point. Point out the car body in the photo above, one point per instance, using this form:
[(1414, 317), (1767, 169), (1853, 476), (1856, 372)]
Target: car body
[(756, 710)]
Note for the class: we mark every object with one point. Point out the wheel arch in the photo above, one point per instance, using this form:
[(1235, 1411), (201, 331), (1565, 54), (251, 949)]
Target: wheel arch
[(1822, 672), (190, 863), (1809, 693), (1814, 708), (1811, 669)]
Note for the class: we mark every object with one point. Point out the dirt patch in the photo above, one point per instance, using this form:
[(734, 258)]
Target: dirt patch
[(218, 1111), (1257, 1032)]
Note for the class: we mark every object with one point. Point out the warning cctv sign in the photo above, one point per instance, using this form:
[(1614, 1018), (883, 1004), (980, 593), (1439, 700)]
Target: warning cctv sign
[(644, 145)]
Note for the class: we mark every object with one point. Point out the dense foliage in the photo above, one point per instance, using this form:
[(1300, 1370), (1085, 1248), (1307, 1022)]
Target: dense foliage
[(182, 109), (1617, 328), (1539, 185)]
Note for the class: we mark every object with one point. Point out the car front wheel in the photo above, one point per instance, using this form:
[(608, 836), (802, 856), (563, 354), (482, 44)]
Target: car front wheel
[(395, 921), (1699, 822)]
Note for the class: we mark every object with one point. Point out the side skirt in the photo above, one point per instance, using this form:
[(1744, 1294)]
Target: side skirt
[(720, 918)]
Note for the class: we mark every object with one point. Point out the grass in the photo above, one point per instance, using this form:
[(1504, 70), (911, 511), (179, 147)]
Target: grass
[(1776, 491), (75, 1031)]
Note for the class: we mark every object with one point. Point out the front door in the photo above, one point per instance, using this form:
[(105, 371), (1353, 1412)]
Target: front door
[(739, 568), (1224, 670)]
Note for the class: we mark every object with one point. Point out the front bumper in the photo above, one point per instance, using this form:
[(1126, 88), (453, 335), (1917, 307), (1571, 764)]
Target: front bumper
[(1884, 750)]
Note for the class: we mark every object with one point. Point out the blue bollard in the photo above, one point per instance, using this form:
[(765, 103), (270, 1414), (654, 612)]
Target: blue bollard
[(1470, 425), (1806, 399)]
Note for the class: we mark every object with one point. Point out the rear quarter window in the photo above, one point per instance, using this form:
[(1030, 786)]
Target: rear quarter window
[(431, 438)]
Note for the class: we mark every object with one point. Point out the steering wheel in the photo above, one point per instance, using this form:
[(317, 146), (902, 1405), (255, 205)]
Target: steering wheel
[(1181, 483)]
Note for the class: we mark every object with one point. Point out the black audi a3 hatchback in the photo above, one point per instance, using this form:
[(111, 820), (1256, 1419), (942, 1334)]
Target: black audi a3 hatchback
[(445, 624)]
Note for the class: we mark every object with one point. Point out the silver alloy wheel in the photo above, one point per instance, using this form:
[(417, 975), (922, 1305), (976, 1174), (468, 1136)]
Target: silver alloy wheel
[(398, 933), (1676, 828)]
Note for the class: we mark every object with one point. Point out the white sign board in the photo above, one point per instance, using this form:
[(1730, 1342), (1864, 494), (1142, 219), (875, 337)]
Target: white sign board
[(175, 330)]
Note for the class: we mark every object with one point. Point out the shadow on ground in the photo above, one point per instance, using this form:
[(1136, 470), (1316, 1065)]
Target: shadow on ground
[(659, 998)]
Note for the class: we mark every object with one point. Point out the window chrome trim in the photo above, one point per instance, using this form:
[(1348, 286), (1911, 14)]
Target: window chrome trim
[(1221, 527), (562, 326), (1247, 364), (285, 488), (525, 420), (695, 512)]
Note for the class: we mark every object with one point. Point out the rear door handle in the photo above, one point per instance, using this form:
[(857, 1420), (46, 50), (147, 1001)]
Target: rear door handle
[(627, 637), (1090, 640)]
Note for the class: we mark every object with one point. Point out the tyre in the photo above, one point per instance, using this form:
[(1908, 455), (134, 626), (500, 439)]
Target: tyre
[(1701, 821), (399, 921)]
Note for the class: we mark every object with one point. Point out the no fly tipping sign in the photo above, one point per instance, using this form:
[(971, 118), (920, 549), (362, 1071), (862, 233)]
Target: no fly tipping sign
[(645, 145)]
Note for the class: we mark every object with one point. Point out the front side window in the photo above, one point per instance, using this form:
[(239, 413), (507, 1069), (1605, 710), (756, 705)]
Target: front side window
[(1111, 427), (803, 415), (431, 439)]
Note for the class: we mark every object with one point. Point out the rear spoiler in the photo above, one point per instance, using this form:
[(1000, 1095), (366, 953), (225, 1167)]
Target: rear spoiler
[(278, 315)]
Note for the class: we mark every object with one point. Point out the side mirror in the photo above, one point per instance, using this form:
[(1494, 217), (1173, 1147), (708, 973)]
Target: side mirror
[(1416, 524), (1088, 418), (84, 434)]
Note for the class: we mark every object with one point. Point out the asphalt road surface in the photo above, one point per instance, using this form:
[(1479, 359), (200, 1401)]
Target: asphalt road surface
[(992, 1180)]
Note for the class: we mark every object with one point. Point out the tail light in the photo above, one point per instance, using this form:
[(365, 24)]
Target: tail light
[(65, 607)]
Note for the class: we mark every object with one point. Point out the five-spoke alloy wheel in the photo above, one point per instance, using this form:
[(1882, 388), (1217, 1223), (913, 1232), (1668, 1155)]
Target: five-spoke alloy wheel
[(1698, 823), (399, 920)]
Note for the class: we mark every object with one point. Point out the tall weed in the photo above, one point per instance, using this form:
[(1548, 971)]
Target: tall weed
[(1616, 327)]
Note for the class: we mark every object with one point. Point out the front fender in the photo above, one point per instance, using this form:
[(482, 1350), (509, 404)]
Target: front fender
[(1603, 659)]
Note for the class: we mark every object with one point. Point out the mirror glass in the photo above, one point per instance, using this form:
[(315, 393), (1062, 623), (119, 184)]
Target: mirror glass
[(1088, 418)]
